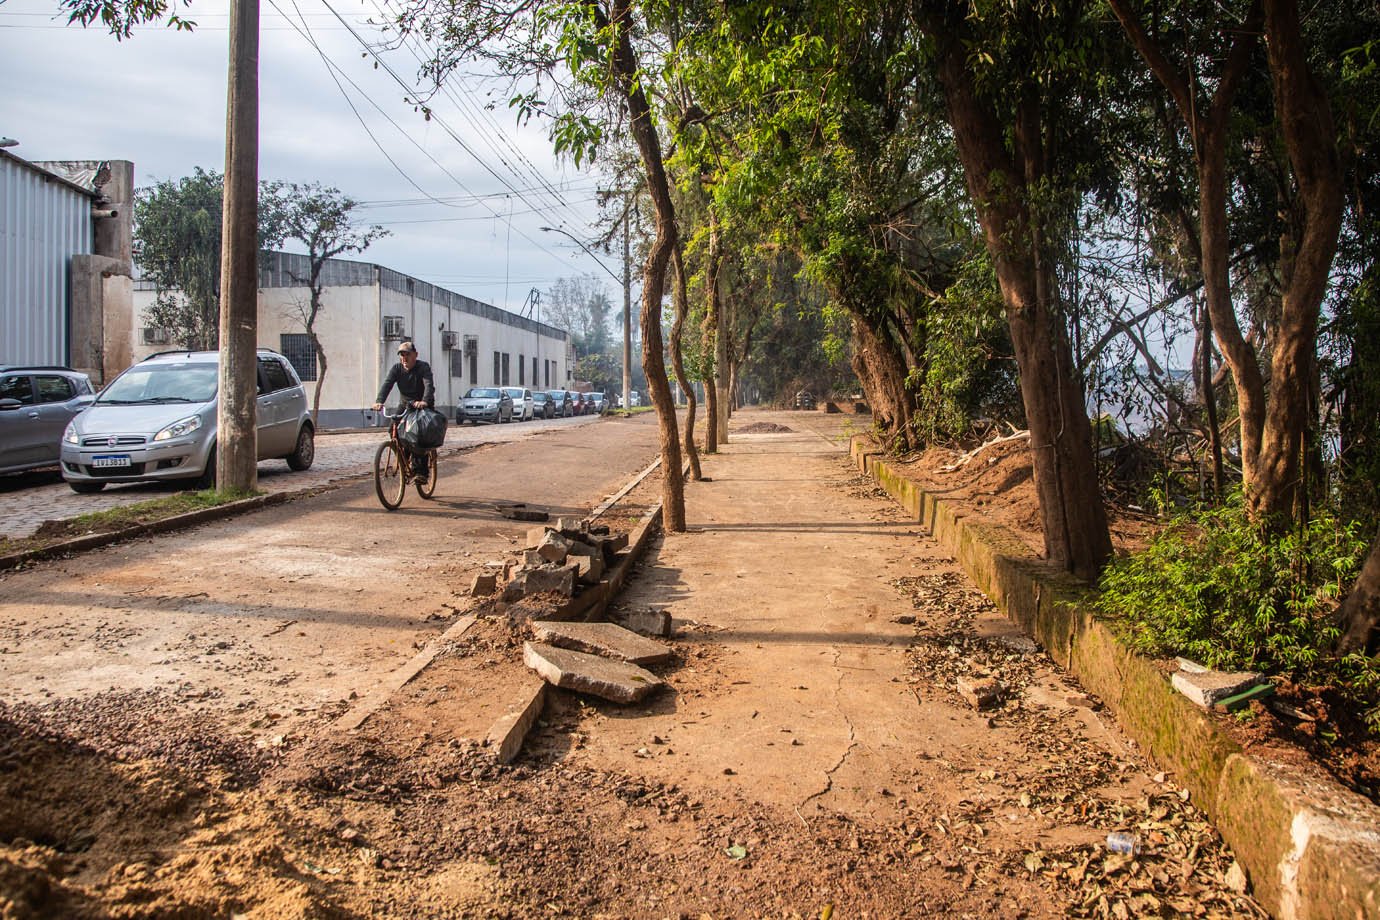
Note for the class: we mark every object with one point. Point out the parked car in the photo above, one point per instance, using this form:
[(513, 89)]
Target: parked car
[(524, 409), (484, 404), (578, 405), (804, 400), (36, 403), (157, 421), (599, 401), (542, 404), (561, 402)]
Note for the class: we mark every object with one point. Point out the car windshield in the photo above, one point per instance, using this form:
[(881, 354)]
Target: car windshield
[(557, 394), (540, 397), (162, 383), (482, 393), (515, 393)]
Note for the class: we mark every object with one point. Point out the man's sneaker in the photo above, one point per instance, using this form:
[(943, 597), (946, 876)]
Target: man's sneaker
[(421, 478)]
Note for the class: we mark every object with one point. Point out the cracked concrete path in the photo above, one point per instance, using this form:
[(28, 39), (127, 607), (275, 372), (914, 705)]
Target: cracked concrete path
[(793, 687)]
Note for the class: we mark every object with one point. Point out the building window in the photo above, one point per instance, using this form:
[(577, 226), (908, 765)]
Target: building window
[(457, 363), (522, 369), (498, 381), (474, 368), (296, 347), (504, 382), (534, 372)]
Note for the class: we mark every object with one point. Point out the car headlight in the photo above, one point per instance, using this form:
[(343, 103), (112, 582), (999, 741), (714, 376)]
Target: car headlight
[(70, 434), (179, 428)]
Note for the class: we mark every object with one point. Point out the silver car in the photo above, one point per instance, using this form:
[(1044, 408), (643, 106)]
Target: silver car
[(484, 404), (157, 421), (36, 403)]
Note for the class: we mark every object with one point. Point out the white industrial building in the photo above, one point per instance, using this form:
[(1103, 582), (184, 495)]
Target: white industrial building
[(366, 311)]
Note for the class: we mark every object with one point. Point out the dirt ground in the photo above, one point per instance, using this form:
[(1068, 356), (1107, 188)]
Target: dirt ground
[(811, 756)]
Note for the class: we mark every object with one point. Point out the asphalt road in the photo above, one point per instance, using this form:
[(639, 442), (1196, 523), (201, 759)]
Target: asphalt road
[(29, 499), (274, 614)]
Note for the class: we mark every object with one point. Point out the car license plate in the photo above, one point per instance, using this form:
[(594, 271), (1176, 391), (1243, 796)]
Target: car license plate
[(110, 460)]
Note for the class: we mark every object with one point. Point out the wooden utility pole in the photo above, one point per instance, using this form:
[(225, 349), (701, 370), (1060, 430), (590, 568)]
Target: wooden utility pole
[(236, 441)]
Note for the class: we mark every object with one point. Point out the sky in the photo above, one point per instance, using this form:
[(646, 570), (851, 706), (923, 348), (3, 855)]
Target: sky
[(465, 216)]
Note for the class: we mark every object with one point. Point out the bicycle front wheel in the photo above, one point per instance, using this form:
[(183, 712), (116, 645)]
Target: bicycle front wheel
[(390, 479), (428, 488)]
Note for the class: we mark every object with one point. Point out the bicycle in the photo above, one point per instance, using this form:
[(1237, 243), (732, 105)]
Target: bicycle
[(393, 468)]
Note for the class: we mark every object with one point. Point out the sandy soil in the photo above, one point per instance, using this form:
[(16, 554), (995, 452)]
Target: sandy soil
[(812, 754)]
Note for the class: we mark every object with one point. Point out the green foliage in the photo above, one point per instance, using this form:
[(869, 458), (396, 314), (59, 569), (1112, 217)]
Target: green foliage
[(121, 16), (1216, 588), (967, 370)]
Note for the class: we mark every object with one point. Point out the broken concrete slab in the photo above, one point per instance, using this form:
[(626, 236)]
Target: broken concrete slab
[(617, 681), (1208, 687), (522, 513), (607, 639), (535, 535), (510, 729), (589, 569), (980, 692), (560, 580)]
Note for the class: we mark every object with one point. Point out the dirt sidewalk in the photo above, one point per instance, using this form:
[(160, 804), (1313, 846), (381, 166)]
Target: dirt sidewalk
[(824, 639)]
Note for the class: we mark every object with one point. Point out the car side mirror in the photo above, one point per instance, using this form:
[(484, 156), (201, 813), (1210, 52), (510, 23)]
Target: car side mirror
[(8, 404)]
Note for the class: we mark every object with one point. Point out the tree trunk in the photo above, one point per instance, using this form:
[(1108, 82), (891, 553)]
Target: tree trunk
[(1311, 142), (1071, 511), (711, 339), (723, 365), (719, 403), (1209, 395), (881, 370), (625, 70), (237, 437), (1207, 125), (682, 307), (1359, 615)]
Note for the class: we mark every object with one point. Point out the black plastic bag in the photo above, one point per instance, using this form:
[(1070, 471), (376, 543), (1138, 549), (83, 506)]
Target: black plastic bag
[(422, 429)]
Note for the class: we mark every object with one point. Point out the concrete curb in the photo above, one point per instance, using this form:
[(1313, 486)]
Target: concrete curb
[(1310, 847), (166, 525)]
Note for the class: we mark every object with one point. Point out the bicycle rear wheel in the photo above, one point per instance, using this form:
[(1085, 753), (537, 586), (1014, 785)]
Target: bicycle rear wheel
[(390, 479), (428, 488)]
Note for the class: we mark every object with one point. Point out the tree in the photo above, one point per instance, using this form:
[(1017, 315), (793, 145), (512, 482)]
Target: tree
[(581, 306), (177, 245), (322, 220)]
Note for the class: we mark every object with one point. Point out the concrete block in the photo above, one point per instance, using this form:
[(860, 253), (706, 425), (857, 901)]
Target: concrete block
[(484, 584), (1208, 687), (617, 681), (589, 569), (535, 535), (522, 513), (560, 580), (644, 622), (980, 692), (607, 639), (553, 547)]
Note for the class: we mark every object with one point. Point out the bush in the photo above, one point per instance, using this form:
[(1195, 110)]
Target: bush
[(1215, 589)]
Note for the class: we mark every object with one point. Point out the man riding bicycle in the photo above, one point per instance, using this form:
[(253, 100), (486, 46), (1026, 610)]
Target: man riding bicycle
[(418, 391)]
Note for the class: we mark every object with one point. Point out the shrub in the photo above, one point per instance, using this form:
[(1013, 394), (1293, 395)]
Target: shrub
[(1216, 589)]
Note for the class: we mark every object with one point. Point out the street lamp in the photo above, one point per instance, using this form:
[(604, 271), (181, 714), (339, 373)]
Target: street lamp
[(626, 282)]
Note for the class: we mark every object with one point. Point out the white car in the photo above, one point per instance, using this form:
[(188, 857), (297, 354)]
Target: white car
[(524, 410)]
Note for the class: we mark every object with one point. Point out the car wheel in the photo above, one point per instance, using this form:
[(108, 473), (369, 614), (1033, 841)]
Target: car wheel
[(86, 488), (207, 479), (301, 458)]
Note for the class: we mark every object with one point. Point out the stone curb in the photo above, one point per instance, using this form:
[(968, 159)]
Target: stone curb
[(1310, 847), (166, 525)]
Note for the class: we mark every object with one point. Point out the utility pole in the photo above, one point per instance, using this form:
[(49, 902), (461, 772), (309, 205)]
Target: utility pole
[(627, 315), (236, 443)]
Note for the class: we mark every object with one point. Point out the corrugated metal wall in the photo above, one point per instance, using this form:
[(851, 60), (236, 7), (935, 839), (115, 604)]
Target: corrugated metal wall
[(43, 223)]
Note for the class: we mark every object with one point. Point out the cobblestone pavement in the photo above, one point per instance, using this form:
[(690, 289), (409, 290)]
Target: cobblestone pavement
[(29, 499)]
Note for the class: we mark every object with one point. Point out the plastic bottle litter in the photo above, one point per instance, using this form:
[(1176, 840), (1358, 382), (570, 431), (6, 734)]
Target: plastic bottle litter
[(1124, 843)]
